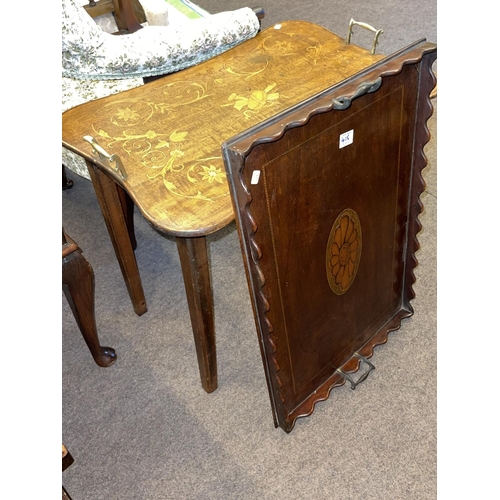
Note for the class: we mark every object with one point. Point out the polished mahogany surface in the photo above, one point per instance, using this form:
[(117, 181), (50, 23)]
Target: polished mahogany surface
[(327, 202)]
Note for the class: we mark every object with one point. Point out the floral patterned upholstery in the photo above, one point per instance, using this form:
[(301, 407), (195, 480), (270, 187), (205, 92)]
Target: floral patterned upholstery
[(96, 63)]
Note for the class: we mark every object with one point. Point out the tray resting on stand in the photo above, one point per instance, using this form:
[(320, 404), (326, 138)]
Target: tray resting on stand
[(327, 199)]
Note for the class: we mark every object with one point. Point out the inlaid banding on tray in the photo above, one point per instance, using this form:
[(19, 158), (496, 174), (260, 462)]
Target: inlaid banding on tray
[(343, 251)]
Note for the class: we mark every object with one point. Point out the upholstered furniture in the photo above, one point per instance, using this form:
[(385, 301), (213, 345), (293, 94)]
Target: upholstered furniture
[(97, 64), (78, 286)]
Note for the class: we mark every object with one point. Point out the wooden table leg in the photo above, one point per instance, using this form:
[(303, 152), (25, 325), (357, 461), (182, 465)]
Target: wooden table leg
[(79, 285), (128, 213), (195, 270), (115, 216), (66, 183)]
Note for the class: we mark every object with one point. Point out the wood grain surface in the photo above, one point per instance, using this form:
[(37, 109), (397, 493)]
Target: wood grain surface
[(329, 230), (169, 132)]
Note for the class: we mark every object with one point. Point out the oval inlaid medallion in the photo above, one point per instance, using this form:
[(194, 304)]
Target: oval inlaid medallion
[(343, 251)]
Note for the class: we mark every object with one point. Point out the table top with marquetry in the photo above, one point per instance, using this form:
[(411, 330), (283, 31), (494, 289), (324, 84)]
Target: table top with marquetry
[(168, 133)]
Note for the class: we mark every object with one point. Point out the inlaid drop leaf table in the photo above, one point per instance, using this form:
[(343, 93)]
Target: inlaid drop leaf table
[(167, 138)]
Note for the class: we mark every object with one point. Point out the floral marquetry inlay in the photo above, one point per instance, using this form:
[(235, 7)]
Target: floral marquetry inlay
[(168, 133), (343, 251), (257, 100), (162, 151)]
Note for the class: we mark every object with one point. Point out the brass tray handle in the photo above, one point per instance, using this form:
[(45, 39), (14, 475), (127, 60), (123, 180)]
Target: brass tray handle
[(377, 32), (103, 155), (363, 377)]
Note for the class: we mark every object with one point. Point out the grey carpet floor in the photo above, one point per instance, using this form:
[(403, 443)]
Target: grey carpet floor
[(145, 429)]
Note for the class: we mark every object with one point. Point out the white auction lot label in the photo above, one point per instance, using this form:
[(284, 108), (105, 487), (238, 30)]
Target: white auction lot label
[(346, 138)]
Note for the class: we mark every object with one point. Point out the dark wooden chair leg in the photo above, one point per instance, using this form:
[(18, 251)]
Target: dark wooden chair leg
[(79, 285), (66, 183), (195, 270), (65, 495), (114, 212), (67, 460)]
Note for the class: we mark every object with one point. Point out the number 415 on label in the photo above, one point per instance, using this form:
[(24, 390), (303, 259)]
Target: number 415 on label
[(346, 138)]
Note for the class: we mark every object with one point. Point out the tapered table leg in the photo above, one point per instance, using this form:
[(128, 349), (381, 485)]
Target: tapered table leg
[(79, 285), (128, 213), (114, 214), (195, 270)]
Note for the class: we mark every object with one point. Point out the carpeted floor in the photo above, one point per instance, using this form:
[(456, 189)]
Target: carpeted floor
[(145, 429)]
